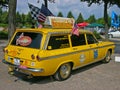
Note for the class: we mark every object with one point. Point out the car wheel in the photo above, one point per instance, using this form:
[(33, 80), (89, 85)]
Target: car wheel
[(110, 36), (11, 70), (107, 57), (63, 72)]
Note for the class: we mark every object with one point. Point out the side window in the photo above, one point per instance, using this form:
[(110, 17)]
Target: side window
[(58, 42), (78, 40), (91, 39)]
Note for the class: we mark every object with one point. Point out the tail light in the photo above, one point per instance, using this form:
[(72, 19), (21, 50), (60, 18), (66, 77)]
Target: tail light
[(33, 56), (38, 58), (5, 50)]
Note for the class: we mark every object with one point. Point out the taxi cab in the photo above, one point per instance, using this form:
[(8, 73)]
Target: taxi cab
[(54, 50)]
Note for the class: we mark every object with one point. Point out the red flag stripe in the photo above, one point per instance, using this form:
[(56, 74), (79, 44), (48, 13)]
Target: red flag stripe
[(41, 20), (41, 17)]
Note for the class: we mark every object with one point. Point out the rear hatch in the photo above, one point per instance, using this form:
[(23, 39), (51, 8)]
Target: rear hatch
[(25, 46)]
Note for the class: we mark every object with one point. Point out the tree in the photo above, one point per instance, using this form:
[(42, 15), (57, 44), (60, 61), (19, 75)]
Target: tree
[(3, 3), (1, 15), (70, 15), (92, 19), (80, 18), (4, 17), (29, 19), (100, 20), (60, 14), (23, 19), (12, 18), (106, 4), (18, 19), (12, 14)]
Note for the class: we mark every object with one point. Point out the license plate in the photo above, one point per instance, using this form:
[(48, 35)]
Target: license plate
[(16, 61)]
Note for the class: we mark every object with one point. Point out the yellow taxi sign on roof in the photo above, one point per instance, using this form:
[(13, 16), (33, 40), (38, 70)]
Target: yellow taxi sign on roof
[(59, 22)]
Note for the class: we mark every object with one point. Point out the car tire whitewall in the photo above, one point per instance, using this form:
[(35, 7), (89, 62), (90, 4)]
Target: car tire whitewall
[(63, 72), (107, 57)]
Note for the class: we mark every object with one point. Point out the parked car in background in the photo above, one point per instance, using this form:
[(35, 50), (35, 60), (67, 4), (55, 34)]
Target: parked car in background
[(114, 30), (102, 31), (114, 33)]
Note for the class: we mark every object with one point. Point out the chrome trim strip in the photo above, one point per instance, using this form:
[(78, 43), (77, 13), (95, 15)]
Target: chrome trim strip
[(74, 52), (87, 64)]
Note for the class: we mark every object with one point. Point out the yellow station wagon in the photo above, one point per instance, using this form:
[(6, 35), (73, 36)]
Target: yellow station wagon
[(54, 51)]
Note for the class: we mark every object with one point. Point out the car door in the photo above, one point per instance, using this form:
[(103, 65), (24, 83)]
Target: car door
[(95, 48), (117, 34), (80, 50)]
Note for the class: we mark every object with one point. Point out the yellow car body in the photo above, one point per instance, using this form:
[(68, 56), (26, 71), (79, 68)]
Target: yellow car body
[(49, 56)]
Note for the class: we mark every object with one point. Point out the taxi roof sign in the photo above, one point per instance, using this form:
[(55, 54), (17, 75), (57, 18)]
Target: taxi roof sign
[(59, 22)]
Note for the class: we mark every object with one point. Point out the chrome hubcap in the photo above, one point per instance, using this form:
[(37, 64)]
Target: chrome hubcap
[(65, 70)]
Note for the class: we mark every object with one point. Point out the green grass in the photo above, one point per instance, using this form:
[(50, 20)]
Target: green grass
[(3, 35), (3, 25)]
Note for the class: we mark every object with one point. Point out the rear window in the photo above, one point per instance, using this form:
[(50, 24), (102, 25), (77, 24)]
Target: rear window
[(27, 39)]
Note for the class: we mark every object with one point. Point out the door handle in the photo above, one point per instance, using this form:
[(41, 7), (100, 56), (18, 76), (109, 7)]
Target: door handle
[(74, 48), (90, 46)]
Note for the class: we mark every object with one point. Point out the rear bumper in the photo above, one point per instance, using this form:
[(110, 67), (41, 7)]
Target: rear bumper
[(20, 68)]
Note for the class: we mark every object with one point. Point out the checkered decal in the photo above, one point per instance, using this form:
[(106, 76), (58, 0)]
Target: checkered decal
[(35, 11), (39, 14)]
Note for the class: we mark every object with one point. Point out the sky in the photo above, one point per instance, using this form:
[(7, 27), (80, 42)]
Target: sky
[(65, 6)]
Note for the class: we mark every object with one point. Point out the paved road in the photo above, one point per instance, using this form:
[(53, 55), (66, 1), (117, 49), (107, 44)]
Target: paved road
[(97, 76)]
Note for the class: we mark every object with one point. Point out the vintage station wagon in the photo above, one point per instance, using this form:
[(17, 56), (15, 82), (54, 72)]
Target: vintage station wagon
[(54, 51)]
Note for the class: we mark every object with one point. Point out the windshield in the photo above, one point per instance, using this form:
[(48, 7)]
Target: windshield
[(27, 39)]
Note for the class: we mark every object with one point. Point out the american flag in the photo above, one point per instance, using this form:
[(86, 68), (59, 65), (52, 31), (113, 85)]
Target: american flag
[(44, 12), (39, 14), (75, 30)]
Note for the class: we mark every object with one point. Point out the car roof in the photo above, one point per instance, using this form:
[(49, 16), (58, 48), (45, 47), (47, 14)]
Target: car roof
[(50, 30)]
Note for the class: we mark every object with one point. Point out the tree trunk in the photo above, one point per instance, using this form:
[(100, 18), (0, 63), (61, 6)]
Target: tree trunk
[(11, 18), (106, 20)]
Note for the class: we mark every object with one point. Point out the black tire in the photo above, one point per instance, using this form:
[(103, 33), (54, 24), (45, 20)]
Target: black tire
[(107, 57), (64, 72), (110, 36)]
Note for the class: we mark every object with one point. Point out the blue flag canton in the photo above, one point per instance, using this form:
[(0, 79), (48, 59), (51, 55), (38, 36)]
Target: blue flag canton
[(46, 11)]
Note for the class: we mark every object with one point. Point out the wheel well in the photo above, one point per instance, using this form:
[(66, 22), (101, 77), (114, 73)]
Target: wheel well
[(110, 51), (71, 63), (111, 35)]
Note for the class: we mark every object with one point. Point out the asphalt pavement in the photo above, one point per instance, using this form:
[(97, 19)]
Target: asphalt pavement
[(97, 76)]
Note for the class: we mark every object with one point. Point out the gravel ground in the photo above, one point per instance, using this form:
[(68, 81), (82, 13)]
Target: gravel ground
[(96, 76)]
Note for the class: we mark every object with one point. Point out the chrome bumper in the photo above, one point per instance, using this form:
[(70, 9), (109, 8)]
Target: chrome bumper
[(17, 67)]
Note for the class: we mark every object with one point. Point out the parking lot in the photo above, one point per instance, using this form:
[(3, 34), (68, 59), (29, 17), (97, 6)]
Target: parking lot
[(97, 76)]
